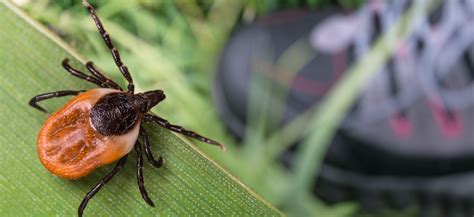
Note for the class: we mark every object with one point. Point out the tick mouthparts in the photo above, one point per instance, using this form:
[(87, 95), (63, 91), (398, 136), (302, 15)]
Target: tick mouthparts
[(147, 100)]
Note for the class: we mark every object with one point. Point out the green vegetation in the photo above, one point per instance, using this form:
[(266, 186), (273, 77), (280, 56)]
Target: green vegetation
[(169, 45), (188, 184)]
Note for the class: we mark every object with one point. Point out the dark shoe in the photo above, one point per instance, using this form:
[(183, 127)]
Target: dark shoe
[(409, 140)]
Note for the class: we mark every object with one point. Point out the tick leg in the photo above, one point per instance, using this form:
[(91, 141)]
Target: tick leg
[(115, 54), (99, 75), (80, 74), (101, 184), (141, 183), (164, 123), (46, 96), (148, 153)]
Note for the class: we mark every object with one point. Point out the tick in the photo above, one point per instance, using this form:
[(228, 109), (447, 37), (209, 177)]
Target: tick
[(100, 126)]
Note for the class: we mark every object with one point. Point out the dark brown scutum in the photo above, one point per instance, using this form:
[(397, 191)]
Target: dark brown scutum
[(114, 114)]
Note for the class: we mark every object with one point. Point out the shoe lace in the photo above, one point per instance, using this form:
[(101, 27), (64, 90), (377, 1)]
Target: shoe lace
[(442, 39)]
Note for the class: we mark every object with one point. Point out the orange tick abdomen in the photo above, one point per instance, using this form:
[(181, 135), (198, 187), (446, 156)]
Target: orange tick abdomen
[(68, 145)]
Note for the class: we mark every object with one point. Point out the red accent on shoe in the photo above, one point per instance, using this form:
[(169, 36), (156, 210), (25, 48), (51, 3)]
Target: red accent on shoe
[(450, 124), (401, 126)]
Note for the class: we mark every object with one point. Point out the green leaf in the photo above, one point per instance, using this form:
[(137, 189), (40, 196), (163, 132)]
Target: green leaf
[(189, 183)]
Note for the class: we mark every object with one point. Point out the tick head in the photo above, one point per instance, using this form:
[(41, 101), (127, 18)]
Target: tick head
[(147, 100)]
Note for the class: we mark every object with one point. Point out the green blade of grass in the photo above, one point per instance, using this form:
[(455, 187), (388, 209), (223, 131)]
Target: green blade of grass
[(189, 183)]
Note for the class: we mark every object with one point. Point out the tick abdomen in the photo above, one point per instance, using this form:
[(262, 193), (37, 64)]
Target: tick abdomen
[(69, 147)]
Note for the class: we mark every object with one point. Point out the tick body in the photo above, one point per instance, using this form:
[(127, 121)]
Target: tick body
[(101, 126), (69, 144)]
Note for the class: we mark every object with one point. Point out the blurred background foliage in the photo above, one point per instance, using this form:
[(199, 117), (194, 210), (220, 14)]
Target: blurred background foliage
[(174, 46)]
